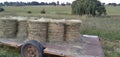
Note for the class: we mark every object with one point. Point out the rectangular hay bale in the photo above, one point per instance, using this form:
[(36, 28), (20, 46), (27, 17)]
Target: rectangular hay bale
[(56, 31), (8, 28), (73, 30), (37, 30)]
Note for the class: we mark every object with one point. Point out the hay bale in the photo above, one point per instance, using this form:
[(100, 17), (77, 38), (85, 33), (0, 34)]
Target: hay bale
[(56, 31), (72, 30), (37, 30), (22, 29), (8, 28)]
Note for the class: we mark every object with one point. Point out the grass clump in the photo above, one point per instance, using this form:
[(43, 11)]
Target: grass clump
[(6, 51), (29, 12)]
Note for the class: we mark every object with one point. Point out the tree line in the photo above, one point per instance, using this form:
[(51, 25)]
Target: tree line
[(113, 4), (33, 3)]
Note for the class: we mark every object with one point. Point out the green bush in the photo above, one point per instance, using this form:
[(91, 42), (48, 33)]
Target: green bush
[(1, 9), (29, 12), (88, 7), (43, 11)]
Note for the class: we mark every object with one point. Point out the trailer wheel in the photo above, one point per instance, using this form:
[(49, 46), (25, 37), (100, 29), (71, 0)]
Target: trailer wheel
[(32, 49)]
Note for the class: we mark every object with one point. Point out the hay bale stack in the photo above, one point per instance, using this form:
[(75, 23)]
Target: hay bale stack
[(8, 28), (37, 30), (56, 31), (72, 30), (22, 29)]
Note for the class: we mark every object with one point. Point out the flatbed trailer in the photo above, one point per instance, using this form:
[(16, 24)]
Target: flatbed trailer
[(88, 46)]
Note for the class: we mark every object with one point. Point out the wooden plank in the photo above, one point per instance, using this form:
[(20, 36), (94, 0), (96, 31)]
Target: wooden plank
[(89, 47), (11, 42)]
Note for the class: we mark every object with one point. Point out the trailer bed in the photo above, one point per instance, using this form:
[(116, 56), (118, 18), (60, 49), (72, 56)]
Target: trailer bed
[(89, 46)]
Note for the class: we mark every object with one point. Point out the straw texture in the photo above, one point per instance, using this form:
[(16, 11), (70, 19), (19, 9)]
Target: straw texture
[(72, 30), (8, 28), (56, 31), (22, 29), (37, 30)]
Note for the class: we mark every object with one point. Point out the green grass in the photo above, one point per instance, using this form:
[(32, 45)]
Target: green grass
[(59, 10), (6, 51), (22, 10), (107, 28), (113, 10)]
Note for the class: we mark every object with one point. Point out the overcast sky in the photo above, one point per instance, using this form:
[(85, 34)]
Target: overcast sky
[(61, 1)]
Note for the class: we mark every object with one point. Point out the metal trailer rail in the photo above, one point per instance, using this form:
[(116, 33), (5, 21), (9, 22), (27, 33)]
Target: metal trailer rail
[(89, 46)]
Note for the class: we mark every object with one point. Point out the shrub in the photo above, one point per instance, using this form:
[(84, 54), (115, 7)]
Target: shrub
[(29, 12), (43, 11), (1, 9)]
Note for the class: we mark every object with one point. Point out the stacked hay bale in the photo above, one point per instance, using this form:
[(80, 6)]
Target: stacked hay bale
[(72, 30), (8, 28), (37, 30), (56, 31), (22, 28)]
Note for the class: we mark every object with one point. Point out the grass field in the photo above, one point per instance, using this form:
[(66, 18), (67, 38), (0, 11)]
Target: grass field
[(59, 10), (106, 27)]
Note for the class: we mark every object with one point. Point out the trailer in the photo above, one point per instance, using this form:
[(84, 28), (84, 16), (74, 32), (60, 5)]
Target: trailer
[(88, 46)]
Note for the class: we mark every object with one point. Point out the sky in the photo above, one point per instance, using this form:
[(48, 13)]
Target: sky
[(61, 1)]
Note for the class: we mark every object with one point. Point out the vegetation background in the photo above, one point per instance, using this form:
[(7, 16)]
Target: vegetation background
[(106, 27)]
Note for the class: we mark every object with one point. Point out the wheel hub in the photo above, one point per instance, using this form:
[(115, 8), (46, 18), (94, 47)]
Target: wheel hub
[(31, 51)]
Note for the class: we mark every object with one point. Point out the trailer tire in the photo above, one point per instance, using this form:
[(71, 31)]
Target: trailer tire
[(32, 48)]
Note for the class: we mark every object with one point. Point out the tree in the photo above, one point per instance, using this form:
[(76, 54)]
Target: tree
[(53, 3), (58, 3), (67, 3), (34, 3), (1, 4), (88, 7), (112, 4), (7, 3), (62, 4)]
